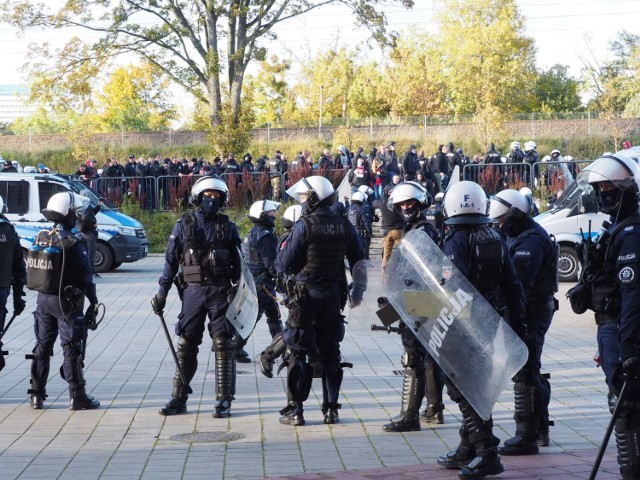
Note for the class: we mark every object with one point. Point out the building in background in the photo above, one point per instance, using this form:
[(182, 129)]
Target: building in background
[(14, 103)]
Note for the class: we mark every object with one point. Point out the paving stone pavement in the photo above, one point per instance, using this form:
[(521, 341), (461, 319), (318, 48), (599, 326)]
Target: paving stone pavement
[(130, 369)]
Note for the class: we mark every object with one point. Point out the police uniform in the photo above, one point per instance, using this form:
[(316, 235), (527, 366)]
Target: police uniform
[(206, 250), (87, 228), (259, 250), (59, 310), (359, 216), (315, 253), (482, 256), (535, 259), (13, 274)]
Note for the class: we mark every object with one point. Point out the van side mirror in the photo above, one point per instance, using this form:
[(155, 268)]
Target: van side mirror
[(582, 203)]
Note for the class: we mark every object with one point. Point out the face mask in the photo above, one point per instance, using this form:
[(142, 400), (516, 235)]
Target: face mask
[(268, 221), (409, 214), (210, 206), (608, 201), (306, 209)]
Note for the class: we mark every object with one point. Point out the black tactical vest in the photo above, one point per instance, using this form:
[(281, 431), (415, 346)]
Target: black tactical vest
[(327, 237), (486, 262), (354, 214), (205, 260), (251, 252)]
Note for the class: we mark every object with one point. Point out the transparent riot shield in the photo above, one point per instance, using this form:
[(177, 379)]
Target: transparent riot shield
[(243, 309), (366, 278), (474, 346)]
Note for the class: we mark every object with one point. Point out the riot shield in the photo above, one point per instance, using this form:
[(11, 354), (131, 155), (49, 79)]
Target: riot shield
[(473, 345), (243, 309), (366, 277)]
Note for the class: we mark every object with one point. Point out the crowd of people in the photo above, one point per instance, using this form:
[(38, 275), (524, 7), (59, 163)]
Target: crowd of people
[(508, 258)]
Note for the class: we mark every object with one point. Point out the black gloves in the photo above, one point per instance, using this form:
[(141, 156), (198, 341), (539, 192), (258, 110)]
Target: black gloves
[(631, 367), (231, 293), (158, 303), (90, 316), (18, 304)]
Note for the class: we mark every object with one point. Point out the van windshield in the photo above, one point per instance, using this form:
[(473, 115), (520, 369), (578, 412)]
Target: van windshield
[(568, 198)]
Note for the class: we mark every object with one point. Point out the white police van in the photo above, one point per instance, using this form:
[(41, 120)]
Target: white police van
[(571, 218), (120, 238)]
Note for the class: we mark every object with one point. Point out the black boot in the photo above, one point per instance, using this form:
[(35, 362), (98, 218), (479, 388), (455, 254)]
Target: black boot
[(239, 352), (545, 423), (79, 400), (412, 393), (292, 414), (225, 375), (40, 363), (330, 412), (188, 360), (628, 445), (267, 358), (463, 454), (486, 462), (525, 441), (433, 414)]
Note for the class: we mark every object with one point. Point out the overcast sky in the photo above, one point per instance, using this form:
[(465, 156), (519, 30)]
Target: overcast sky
[(560, 29)]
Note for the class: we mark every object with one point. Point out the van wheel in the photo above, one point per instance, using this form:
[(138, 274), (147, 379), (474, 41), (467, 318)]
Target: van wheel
[(568, 264), (103, 260), (115, 265)]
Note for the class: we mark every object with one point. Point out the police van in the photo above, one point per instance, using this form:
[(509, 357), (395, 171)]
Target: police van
[(571, 218), (121, 239)]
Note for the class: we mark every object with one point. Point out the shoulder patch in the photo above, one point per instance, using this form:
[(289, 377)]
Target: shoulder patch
[(626, 275)]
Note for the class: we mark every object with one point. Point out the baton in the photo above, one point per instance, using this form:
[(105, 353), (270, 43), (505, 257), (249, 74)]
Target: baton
[(173, 352), (607, 435), (8, 325), (389, 329)]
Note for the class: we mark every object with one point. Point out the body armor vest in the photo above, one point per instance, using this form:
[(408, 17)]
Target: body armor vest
[(354, 214), (251, 252), (49, 269), (327, 237), (424, 224), (546, 282), (7, 247), (205, 260), (486, 261)]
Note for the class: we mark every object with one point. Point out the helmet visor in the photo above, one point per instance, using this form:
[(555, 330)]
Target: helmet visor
[(299, 191)]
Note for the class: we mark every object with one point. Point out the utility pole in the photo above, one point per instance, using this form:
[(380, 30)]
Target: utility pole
[(320, 118)]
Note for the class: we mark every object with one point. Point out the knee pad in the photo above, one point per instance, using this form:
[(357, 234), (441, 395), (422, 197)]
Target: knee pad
[(72, 349), (42, 350), (412, 358), (222, 343), (186, 349)]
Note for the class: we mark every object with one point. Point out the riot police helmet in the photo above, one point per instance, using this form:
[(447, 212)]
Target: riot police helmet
[(247, 157), (465, 203), (366, 189), (290, 216), (614, 177), (409, 199), (528, 194), (263, 211), (314, 191), (530, 146), (508, 205), (203, 184), (62, 208), (358, 197), (438, 198), (515, 146)]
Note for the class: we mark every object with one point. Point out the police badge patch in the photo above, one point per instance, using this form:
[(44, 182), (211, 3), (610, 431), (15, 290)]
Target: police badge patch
[(447, 271), (626, 275)]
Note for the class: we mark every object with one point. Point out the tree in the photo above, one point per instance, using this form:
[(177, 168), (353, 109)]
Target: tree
[(271, 93), (488, 64), (184, 39), (556, 91), (414, 77), (135, 98)]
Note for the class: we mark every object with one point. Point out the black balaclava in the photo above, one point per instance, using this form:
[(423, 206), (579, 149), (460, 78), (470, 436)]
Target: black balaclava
[(210, 206)]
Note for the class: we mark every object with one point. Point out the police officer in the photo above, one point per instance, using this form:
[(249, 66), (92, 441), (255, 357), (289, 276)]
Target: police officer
[(533, 208), (315, 253), (360, 218), (204, 244), (421, 372), (434, 214), (62, 275), (277, 168), (277, 346), (87, 228), (13, 273), (535, 259), (259, 248), (613, 265), (481, 255)]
